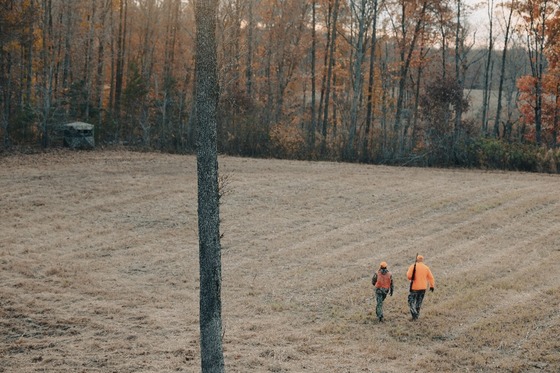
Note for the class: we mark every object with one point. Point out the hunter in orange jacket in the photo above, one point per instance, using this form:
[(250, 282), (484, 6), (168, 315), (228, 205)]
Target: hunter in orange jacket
[(420, 275), (383, 282)]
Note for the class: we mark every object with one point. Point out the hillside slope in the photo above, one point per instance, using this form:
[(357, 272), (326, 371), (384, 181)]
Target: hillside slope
[(99, 266)]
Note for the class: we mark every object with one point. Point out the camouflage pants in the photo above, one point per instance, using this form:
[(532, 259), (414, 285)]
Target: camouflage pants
[(380, 295), (415, 298)]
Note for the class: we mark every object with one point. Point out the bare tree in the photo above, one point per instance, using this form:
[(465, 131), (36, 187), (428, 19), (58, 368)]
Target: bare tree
[(487, 72), (172, 24), (99, 91), (47, 73), (88, 70), (250, 41), (371, 80), (329, 72), (207, 95), (313, 127), (363, 13), (147, 59), (460, 66), (121, 46), (503, 64), (406, 49)]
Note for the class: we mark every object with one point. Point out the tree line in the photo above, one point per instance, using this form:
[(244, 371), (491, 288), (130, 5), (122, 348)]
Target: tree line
[(377, 81)]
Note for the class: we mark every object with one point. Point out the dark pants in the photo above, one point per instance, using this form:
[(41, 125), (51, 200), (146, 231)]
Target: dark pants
[(380, 295), (415, 298)]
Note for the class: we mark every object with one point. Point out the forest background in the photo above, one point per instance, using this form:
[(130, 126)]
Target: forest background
[(374, 81)]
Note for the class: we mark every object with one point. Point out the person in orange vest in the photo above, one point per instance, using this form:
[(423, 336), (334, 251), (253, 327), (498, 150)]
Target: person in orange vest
[(383, 282), (419, 276)]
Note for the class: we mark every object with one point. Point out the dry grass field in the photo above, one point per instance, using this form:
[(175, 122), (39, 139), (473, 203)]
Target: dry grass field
[(99, 266)]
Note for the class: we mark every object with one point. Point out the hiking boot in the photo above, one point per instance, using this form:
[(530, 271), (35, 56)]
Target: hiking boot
[(381, 319)]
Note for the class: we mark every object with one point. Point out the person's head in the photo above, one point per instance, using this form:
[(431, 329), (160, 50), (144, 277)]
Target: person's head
[(419, 258), (383, 265)]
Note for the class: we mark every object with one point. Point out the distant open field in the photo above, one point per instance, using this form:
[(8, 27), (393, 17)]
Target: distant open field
[(99, 266), (476, 99)]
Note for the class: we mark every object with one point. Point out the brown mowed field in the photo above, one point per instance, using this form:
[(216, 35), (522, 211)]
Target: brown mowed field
[(99, 266)]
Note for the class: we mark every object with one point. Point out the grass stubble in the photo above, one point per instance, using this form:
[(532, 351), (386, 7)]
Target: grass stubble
[(99, 266)]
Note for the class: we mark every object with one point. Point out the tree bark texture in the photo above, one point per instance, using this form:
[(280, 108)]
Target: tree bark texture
[(207, 94)]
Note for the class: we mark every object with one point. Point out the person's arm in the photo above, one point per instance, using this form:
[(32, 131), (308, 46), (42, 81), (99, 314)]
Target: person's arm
[(409, 273), (391, 291), (374, 278)]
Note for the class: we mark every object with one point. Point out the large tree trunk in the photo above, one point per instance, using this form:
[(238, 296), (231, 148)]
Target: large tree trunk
[(212, 359)]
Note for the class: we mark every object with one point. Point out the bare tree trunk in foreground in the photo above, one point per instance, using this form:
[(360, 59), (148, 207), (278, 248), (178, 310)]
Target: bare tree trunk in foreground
[(212, 358)]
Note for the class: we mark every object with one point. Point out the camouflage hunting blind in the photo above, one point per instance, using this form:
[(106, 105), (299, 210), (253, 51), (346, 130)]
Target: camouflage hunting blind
[(79, 135)]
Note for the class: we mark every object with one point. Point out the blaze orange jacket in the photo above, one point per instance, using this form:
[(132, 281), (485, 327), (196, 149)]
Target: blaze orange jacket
[(384, 280), (422, 277)]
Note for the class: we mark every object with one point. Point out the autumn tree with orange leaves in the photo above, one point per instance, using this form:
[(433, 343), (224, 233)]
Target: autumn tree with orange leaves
[(538, 100), (322, 79)]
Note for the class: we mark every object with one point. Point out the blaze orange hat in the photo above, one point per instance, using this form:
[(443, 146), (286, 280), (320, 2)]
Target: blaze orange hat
[(420, 258), (383, 265)]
